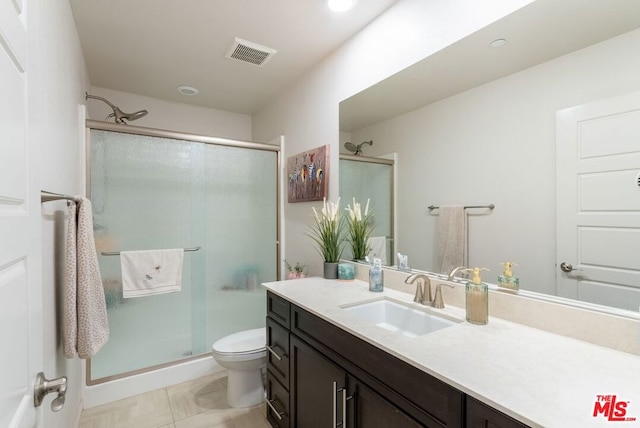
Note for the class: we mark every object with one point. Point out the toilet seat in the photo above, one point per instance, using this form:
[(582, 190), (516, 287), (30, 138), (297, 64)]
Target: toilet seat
[(243, 343)]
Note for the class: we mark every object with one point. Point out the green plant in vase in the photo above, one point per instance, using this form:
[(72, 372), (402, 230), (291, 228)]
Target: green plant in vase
[(326, 232), (359, 228)]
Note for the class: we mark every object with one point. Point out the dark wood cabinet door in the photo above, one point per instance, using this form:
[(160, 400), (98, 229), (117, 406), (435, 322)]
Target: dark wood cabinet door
[(480, 415), (367, 409), (315, 387)]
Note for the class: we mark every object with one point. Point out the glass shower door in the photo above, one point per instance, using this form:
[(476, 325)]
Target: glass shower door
[(368, 180), (153, 193)]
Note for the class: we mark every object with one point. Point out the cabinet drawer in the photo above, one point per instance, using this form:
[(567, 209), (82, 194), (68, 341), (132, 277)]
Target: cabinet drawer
[(441, 404), (278, 309), (277, 403), (278, 351)]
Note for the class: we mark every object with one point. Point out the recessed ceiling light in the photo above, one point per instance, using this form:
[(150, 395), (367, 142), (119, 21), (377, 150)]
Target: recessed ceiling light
[(498, 43), (187, 90), (341, 5)]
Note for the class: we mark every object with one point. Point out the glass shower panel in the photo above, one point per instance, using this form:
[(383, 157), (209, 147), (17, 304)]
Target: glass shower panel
[(373, 181), (152, 193), (241, 219)]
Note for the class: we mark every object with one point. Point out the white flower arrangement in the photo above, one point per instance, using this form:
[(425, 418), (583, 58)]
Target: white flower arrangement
[(327, 230), (360, 227)]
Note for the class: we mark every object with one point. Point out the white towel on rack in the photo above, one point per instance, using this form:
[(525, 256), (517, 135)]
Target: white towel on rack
[(452, 237), (150, 272), (85, 327), (378, 248)]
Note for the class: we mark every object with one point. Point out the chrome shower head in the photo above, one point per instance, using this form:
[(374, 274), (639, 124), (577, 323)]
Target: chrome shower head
[(357, 150), (121, 117), (118, 115)]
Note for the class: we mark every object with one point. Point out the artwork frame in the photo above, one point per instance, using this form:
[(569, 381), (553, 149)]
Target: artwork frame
[(308, 175)]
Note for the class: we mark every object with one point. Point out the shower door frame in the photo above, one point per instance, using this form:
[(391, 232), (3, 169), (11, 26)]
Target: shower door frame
[(187, 137)]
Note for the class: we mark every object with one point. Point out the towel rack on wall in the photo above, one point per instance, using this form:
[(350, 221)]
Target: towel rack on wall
[(490, 206), (117, 253), (50, 196)]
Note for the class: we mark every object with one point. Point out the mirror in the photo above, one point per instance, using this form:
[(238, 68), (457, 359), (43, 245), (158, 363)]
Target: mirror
[(476, 125)]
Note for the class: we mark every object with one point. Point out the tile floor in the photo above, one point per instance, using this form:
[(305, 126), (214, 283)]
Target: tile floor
[(198, 403)]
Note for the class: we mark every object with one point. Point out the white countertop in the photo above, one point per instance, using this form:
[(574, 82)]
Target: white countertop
[(539, 378)]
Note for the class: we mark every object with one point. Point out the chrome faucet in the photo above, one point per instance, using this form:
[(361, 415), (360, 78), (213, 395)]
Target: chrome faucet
[(454, 271), (423, 286)]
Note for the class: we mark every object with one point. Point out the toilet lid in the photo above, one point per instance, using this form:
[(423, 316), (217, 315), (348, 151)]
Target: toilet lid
[(242, 342)]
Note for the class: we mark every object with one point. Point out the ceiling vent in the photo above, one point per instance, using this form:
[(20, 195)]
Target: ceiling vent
[(249, 52)]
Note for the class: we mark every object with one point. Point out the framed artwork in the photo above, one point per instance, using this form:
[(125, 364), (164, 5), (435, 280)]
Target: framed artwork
[(308, 175)]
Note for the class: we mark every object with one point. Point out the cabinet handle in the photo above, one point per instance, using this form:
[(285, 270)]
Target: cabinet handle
[(274, 353), (344, 407), (343, 423), (335, 416), (271, 405)]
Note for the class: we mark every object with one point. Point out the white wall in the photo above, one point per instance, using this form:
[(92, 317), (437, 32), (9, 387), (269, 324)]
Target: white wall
[(307, 112), (57, 81), (172, 116), (496, 144)]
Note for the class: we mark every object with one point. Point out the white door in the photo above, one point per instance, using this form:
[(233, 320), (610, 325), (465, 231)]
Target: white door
[(598, 202), (20, 291)]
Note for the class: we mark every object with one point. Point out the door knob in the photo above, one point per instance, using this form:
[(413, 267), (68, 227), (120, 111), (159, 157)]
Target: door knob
[(566, 267), (44, 386)]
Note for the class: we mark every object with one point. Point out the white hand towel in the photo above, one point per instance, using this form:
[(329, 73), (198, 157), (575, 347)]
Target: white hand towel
[(378, 248), (452, 238), (85, 327), (146, 273)]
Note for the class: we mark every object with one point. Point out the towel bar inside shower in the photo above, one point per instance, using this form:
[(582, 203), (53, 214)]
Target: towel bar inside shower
[(117, 253)]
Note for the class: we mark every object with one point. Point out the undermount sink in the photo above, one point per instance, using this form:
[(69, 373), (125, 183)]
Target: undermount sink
[(398, 317)]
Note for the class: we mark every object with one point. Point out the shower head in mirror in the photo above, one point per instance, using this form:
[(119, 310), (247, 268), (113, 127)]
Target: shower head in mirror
[(357, 150)]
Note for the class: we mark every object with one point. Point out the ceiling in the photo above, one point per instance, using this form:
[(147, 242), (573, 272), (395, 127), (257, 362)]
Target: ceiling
[(150, 47), (536, 33)]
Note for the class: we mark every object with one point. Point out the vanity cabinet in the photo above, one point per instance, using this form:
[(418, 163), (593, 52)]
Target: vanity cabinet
[(319, 375), (325, 395)]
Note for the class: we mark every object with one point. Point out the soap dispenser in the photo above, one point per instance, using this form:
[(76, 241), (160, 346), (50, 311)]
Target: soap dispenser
[(477, 298), (507, 280), (376, 276)]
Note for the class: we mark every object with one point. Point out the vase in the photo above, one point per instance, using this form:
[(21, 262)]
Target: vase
[(296, 275), (330, 270)]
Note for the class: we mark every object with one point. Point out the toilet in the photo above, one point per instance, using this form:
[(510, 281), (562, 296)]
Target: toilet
[(244, 355)]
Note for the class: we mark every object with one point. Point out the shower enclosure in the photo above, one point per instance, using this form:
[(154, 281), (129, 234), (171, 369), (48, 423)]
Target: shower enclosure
[(156, 189), (366, 178)]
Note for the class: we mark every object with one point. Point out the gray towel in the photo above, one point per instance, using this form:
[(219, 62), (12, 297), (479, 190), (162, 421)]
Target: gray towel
[(84, 314), (452, 238)]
